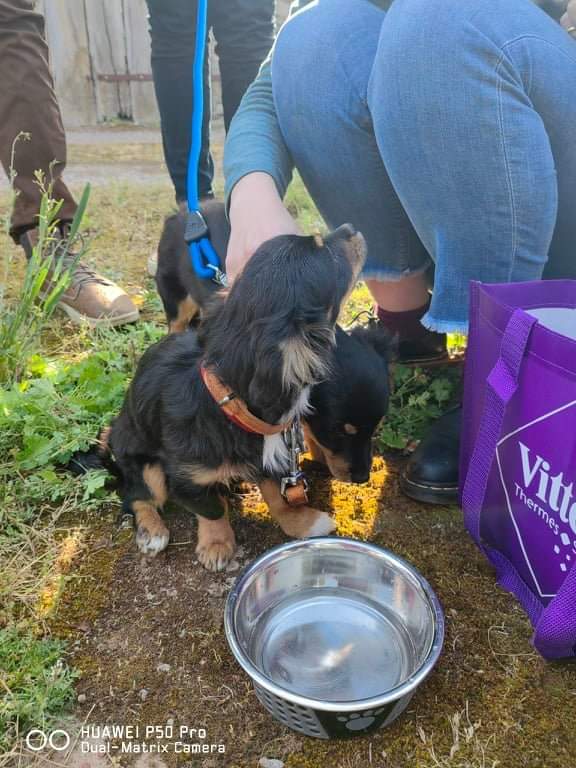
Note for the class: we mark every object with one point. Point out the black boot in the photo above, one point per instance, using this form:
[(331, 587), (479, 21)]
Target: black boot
[(429, 349), (431, 474)]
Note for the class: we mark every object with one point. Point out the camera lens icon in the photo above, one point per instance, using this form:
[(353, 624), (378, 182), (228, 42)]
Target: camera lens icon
[(37, 740)]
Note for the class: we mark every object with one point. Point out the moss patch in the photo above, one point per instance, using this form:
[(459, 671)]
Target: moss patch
[(83, 592)]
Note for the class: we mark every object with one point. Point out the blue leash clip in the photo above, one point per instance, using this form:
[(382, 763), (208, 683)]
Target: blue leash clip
[(205, 261), (196, 227)]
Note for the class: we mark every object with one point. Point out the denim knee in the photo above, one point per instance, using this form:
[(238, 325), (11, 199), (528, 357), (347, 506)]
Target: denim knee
[(465, 145), (327, 126)]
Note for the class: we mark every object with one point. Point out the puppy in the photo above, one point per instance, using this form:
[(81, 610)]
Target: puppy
[(349, 404), (187, 426), (346, 407)]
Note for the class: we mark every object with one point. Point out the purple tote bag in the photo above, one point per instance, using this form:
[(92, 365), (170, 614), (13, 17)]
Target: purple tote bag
[(518, 456)]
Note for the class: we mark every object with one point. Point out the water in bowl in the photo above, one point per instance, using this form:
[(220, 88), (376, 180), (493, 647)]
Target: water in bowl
[(332, 645)]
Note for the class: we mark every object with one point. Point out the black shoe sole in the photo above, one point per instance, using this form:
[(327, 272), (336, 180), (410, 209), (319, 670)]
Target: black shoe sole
[(431, 361), (429, 494)]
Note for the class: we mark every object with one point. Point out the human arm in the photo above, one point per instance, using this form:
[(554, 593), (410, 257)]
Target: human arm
[(257, 168), (256, 213)]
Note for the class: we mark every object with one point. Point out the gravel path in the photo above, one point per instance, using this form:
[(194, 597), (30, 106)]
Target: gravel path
[(103, 171)]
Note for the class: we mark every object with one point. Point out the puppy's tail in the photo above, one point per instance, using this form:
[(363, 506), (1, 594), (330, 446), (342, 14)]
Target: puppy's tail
[(99, 456)]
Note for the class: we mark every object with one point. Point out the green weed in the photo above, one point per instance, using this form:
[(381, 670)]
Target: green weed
[(56, 391), (419, 397), (47, 277), (58, 406)]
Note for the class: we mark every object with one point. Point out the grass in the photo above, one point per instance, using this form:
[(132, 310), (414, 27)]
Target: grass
[(37, 685), (59, 388)]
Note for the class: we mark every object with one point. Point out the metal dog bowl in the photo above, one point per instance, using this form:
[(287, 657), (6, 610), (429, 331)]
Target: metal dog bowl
[(336, 634)]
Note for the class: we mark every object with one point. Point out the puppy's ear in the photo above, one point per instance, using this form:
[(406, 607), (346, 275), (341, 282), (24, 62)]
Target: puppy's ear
[(377, 337), (306, 354)]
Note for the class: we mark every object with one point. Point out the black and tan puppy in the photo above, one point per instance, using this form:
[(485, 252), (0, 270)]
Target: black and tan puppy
[(349, 404), (265, 343), (346, 407)]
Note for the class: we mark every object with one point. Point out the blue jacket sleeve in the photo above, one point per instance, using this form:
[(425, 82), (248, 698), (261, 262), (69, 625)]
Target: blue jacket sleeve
[(254, 141)]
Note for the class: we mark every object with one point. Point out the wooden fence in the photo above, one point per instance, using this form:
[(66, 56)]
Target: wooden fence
[(100, 59)]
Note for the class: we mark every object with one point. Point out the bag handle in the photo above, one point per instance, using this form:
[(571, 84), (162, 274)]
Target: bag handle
[(501, 386)]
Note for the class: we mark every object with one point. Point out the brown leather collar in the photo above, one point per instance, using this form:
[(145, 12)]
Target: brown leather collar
[(237, 411), (235, 408), (296, 495)]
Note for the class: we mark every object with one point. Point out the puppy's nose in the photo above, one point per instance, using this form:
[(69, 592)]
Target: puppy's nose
[(346, 230), (360, 476)]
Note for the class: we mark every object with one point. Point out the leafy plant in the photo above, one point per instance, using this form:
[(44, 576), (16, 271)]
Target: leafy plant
[(57, 408), (420, 396), (48, 275)]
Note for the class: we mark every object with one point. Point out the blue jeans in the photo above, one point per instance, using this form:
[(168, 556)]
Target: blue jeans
[(444, 130)]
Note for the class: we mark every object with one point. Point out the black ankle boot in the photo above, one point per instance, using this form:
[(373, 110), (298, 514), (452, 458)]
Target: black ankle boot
[(431, 474), (429, 349)]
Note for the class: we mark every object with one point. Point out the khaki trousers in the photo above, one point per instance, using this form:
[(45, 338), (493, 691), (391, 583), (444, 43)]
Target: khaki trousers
[(28, 103)]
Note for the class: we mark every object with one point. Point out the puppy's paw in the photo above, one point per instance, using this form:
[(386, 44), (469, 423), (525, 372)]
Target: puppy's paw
[(216, 543), (305, 522), (321, 524), (216, 556), (151, 534), (152, 540)]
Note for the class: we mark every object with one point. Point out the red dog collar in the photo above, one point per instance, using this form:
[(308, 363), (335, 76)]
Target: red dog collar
[(293, 489), (235, 408)]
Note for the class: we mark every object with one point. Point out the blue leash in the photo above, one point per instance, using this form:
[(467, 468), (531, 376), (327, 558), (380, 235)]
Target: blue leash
[(204, 258)]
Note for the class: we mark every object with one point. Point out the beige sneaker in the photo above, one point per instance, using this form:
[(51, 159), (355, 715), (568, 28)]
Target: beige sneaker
[(91, 298)]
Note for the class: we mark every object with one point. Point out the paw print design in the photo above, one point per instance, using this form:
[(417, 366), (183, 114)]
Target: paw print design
[(357, 721), (567, 558)]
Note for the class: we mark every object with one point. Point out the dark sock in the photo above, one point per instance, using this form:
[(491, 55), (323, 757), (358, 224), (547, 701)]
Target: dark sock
[(405, 326)]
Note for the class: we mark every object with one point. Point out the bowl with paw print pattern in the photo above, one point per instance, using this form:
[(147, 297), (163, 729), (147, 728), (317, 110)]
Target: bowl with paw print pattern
[(336, 634)]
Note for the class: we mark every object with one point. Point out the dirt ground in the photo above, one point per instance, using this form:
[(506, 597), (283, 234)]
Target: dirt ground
[(151, 648), (147, 635)]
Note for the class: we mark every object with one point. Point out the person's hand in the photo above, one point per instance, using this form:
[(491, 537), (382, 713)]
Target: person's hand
[(256, 214), (568, 21)]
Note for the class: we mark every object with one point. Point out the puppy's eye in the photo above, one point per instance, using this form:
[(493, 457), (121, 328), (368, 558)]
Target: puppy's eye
[(350, 429)]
